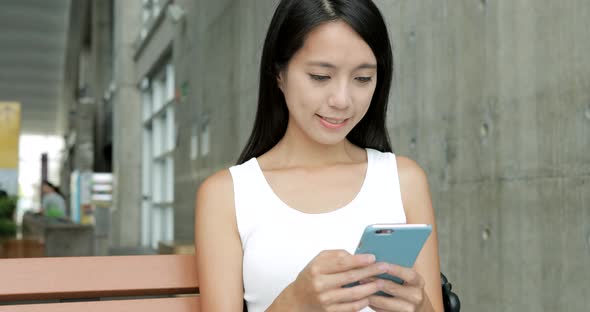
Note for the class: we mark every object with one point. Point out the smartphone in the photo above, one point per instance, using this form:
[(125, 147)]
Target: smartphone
[(394, 243)]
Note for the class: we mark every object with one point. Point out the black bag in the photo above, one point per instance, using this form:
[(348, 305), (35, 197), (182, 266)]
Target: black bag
[(451, 301)]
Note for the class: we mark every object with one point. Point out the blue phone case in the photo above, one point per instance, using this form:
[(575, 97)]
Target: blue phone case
[(394, 243)]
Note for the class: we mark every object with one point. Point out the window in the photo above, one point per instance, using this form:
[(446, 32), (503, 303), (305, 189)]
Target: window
[(150, 9), (159, 137)]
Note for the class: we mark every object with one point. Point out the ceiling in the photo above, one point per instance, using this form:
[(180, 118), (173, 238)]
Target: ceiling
[(33, 40)]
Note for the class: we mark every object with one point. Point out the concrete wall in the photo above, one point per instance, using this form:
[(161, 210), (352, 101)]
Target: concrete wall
[(491, 98), (223, 46)]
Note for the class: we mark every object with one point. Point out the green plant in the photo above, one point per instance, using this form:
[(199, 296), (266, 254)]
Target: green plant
[(7, 208), (7, 228)]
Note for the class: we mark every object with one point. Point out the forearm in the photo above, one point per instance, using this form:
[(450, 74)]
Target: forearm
[(427, 305), (284, 302)]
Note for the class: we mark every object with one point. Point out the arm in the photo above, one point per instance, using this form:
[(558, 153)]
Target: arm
[(218, 246), (418, 208)]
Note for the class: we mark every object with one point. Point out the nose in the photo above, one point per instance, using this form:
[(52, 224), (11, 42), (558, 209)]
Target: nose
[(340, 97)]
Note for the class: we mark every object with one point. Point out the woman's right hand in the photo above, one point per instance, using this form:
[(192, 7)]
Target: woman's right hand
[(319, 286)]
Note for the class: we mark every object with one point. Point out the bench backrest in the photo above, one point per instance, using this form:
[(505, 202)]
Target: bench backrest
[(116, 283)]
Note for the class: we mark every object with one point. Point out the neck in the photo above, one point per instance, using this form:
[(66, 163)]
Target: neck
[(296, 149)]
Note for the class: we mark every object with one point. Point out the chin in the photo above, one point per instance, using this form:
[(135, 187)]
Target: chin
[(328, 139)]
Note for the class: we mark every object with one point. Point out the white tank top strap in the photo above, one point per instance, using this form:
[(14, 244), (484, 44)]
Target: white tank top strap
[(383, 196), (249, 197)]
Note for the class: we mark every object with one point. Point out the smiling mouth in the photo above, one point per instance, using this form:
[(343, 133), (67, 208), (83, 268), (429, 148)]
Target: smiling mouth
[(332, 123), (335, 121)]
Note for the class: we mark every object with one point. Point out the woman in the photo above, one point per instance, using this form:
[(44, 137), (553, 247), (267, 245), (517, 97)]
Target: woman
[(52, 202), (279, 228)]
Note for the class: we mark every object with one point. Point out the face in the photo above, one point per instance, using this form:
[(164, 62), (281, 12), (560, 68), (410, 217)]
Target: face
[(329, 83), (45, 188)]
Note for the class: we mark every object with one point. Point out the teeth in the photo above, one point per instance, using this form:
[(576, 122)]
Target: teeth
[(334, 121)]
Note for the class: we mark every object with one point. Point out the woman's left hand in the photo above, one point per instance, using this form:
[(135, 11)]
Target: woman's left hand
[(410, 296)]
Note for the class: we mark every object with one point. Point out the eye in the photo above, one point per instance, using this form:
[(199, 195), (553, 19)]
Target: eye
[(363, 79), (319, 77)]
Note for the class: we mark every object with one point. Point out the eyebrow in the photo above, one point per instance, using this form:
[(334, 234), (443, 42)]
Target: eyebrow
[(328, 65)]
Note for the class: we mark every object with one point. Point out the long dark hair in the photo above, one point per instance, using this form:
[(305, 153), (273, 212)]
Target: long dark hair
[(52, 186), (292, 21)]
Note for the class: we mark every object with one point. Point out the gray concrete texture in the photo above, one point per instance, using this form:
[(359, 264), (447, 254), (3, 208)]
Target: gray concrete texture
[(127, 127), (491, 98)]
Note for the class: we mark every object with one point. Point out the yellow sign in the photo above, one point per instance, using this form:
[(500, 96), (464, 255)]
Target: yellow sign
[(9, 134)]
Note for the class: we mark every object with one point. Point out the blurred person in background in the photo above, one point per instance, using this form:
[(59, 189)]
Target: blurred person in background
[(52, 203)]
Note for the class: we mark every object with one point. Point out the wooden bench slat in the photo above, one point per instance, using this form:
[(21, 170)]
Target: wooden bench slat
[(89, 277), (177, 304)]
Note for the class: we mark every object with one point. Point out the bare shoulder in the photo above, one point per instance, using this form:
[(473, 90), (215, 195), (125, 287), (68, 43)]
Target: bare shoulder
[(218, 182), (410, 172), (415, 191), (216, 193)]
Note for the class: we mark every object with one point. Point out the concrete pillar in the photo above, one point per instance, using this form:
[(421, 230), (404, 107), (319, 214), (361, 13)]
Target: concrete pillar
[(127, 126), (102, 65)]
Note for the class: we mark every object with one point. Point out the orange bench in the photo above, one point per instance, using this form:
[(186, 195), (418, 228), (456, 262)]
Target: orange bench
[(93, 284)]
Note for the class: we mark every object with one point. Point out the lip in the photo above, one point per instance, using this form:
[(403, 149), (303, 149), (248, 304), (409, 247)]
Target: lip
[(330, 125)]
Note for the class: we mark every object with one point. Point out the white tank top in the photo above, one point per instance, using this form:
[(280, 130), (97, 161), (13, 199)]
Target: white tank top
[(279, 241)]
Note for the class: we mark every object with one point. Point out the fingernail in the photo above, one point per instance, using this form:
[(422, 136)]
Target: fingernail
[(370, 258), (383, 267)]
